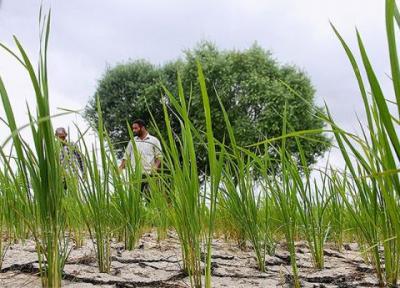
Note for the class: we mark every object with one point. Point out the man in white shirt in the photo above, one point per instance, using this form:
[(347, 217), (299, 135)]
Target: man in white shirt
[(148, 149)]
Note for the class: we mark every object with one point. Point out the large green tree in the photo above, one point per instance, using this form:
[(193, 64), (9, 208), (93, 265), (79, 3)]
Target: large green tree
[(252, 85)]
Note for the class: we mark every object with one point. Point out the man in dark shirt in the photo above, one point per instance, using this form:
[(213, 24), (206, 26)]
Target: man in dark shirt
[(70, 157)]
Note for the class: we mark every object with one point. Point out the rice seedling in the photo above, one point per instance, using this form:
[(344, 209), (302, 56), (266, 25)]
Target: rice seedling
[(129, 202), (285, 199), (95, 198), (337, 208), (372, 160), (216, 167), (312, 202), (14, 203), (75, 223), (189, 209), (184, 189), (283, 191), (244, 204), (40, 166), (3, 247), (159, 205), (241, 199)]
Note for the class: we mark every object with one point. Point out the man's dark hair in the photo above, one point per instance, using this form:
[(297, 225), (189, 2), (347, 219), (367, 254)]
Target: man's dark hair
[(140, 122)]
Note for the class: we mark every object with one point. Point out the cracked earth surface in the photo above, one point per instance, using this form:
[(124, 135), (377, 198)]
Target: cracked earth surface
[(154, 264)]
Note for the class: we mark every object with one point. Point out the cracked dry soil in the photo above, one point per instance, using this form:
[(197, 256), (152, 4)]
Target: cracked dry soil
[(154, 264)]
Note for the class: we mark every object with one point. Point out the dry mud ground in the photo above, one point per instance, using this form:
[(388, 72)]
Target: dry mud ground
[(154, 264)]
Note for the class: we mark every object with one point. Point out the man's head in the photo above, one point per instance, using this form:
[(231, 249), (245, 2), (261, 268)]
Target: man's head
[(61, 133), (139, 127)]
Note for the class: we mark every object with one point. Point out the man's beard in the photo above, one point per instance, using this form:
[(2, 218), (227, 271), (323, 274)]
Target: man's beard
[(136, 134)]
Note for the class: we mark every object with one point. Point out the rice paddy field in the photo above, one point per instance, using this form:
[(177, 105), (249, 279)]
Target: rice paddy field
[(253, 221)]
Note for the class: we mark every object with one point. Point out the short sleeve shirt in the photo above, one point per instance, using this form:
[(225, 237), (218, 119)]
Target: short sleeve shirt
[(71, 158), (149, 149)]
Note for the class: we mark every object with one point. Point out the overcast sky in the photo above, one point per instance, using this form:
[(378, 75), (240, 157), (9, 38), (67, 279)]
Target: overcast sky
[(88, 35)]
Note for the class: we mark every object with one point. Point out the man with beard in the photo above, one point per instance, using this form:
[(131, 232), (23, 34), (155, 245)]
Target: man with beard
[(149, 152)]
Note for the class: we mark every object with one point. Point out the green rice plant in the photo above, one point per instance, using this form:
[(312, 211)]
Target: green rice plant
[(271, 225), (225, 224), (40, 166), (75, 220), (16, 207), (226, 220), (372, 160), (129, 205), (312, 202), (95, 198), (285, 199), (337, 185), (241, 199), (3, 247), (216, 163), (284, 195), (363, 206), (184, 189), (159, 204), (73, 213), (128, 200), (244, 204), (3, 187), (189, 214)]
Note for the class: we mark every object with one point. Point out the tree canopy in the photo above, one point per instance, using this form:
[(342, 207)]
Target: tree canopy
[(252, 85)]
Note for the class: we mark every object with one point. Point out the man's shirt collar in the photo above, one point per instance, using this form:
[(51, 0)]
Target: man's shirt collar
[(137, 138)]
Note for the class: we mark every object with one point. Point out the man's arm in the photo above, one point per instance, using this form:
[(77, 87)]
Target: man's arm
[(122, 165), (79, 160), (157, 164), (128, 153), (157, 155), (78, 157)]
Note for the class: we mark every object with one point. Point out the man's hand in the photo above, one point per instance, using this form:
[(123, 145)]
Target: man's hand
[(157, 165), (122, 166), (154, 169)]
